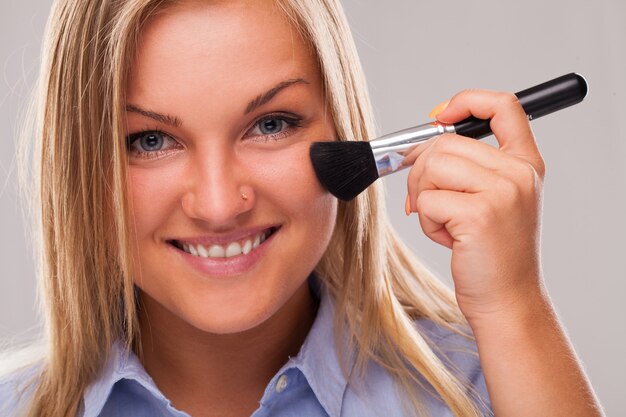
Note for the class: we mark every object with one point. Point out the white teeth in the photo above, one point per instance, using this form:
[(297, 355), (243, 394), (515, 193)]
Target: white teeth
[(218, 251), (247, 247), (233, 249), (202, 251)]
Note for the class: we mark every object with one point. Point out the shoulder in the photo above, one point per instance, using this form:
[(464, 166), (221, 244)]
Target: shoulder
[(457, 350), (16, 389), (455, 346), (377, 392)]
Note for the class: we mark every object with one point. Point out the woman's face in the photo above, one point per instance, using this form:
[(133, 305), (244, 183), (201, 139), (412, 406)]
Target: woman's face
[(223, 102)]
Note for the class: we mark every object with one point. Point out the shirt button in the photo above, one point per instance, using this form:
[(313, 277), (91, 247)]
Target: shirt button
[(281, 384)]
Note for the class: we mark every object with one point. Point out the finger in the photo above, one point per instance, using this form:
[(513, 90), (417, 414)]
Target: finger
[(435, 231), (437, 209), (438, 109), (416, 151), (480, 152), (407, 205), (449, 172), (508, 120)]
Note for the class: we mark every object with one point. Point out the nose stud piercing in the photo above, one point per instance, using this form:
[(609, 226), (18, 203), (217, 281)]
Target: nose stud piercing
[(244, 197)]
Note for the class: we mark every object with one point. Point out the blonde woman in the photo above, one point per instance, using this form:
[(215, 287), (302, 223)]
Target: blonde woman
[(192, 264)]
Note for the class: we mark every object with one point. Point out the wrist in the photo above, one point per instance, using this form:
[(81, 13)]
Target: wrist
[(519, 310), (525, 353)]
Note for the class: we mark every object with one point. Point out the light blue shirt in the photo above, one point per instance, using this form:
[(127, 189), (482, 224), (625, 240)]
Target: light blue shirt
[(310, 384)]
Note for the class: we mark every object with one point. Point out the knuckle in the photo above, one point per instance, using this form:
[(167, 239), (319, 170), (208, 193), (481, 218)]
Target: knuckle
[(471, 91), (505, 99), (431, 162), (444, 141), (508, 98), (525, 185), (464, 93), (523, 170), (541, 167), (529, 172), (421, 201), (510, 189), (414, 174), (531, 177), (435, 160)]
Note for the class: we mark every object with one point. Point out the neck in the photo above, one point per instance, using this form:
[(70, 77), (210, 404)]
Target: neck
[(201, 372)]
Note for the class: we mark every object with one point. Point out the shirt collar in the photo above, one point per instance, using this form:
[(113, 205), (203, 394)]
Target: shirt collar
[(317, 360), (114, 369), (121, 364)]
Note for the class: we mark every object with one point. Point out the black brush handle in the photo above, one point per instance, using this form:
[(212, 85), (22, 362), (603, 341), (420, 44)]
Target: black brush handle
[(537, 101)]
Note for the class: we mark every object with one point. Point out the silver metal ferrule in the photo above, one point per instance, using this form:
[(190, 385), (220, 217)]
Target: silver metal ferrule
[(390, 150)]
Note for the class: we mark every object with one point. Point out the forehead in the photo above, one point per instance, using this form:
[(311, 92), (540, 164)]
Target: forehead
[(234, 44)]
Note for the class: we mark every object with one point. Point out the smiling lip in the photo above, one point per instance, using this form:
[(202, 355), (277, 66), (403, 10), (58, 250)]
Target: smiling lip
[(224, 267)]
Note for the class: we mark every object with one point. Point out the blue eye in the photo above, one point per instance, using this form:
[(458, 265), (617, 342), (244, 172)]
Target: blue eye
[(275, 127), (151, 141), (150, 144), (271, 126)]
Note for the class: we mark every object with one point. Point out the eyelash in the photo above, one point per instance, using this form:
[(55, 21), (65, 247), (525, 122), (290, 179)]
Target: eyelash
[(139, 153), (292, 121)]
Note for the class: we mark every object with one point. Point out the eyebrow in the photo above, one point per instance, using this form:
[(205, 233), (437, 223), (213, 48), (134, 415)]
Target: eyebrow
[(268, 95), (257, 102), (163, 118)]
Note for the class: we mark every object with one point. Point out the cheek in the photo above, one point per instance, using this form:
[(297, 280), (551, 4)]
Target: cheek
[(286, 177), (152, 196)]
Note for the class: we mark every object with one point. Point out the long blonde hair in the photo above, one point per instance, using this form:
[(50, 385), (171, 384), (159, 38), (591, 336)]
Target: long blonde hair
[(88, 293)]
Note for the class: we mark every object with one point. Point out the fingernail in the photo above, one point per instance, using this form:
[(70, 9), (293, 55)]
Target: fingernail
[(439, 108), (407, 206)]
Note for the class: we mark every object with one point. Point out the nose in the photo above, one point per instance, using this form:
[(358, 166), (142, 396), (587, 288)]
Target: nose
[(219, 192)]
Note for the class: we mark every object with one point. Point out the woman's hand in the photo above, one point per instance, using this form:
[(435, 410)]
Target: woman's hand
[(483, 203)]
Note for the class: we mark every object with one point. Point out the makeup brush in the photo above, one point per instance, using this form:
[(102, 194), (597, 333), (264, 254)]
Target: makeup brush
[(345, 169)]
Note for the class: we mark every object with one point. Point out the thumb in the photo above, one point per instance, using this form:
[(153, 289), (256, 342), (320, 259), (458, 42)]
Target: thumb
[(508, 120)]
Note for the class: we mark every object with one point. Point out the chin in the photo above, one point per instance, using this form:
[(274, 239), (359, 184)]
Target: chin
[(231, 319), (230, 325)]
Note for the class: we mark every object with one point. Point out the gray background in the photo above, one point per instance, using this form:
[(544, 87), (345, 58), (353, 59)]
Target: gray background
[(417, 54)]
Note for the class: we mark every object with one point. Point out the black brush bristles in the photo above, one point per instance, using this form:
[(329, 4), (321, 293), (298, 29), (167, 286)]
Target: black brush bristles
[(345, 169)]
